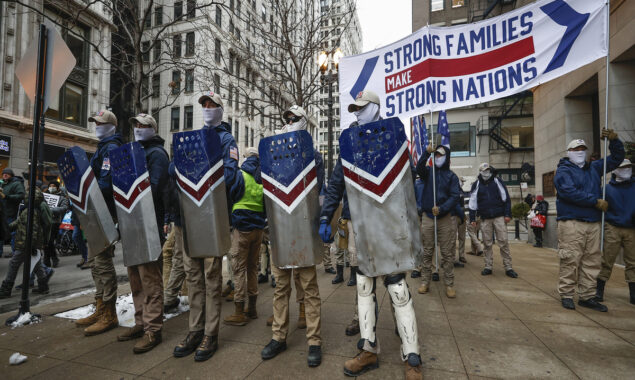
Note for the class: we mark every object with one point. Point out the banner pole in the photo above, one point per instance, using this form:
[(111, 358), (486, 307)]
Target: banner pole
[(606, 114), (434, 196)]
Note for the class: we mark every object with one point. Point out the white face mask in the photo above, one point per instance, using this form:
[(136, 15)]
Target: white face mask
[(623, 174), (439, 161), (104, 130), (297, 126), (577, 157), (486, 174), (52, 189), (213, 116), (143, 134), (368, 114)]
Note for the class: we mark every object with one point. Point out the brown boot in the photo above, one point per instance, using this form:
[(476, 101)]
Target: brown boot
[(362, 362), (413, 367), (238, 318), (227, 289), (353, 328), (270, 320), (302, 317), (230, 296), (94, 317), (148, 342), (131, 333), (107, 321), (252, 313)]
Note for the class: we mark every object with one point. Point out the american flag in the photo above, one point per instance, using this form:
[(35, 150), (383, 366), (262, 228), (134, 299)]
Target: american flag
[(444, 129), (419, 137)]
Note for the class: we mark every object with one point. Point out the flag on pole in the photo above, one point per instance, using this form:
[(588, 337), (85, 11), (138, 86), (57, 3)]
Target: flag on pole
[(419, 137), (443, 128)]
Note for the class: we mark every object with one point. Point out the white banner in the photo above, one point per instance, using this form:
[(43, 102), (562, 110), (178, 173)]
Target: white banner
[(439, 68), (51, 199)]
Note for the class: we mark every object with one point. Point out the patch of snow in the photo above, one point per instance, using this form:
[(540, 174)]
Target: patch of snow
[(125, 310), (16, 359), (25, 319)]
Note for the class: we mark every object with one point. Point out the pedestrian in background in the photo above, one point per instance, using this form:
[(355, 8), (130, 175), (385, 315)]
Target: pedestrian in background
[(12, 193), (540, 208)]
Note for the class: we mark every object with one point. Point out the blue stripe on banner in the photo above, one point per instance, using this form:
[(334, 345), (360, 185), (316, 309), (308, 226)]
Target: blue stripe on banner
[(564, 15), (364, 76)]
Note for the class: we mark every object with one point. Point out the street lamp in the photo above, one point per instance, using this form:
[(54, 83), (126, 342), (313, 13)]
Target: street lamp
[(328, 78)]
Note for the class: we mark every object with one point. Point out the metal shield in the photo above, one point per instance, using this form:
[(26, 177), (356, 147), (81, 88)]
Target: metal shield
[(88, 201), (289, 179), (134, 204), (198, 158), (381, 197)]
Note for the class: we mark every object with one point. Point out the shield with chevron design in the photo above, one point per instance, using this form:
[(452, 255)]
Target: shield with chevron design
[(289, 180), (135, 207), (92, 210), (198, 160), (380, 188)]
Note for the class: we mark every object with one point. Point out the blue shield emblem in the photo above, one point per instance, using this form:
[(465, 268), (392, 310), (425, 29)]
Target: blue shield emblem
[(289, 180), (198, 160)]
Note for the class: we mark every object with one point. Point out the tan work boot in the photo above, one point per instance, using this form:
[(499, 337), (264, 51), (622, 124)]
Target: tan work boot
[(107, 321), (423, 289), (94, 317), (131, 333), (230, 296), (238, 318), (302, 317), (413, 368), (148, 342), (251, 310), (362, 362), (270, 320), (450, 292)]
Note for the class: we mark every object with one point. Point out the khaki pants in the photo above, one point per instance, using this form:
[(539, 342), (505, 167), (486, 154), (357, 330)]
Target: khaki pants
[(460, 229), (580, 258), (176, 278), (614, 239), (103, 270), (205, 280), (244, 254), (264, 258), (167, 252), (446, 238), (307, 278), (147, 295), (346, 250), (326, 255), (488, 227), (472, 232)]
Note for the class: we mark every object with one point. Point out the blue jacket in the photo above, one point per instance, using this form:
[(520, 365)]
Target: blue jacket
[(157, 162), (459, 210), (101, 169), (578, 189), (248, 220), (419, 189), (621, 198), (447, 186), (335, 192), (234, 183), (490, 202), (319, 167), (174, 212)]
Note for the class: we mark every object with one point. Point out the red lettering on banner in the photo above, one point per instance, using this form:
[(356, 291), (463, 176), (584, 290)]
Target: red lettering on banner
[(453, 67)]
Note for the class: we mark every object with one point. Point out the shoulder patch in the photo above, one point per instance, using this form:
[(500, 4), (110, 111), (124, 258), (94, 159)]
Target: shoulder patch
[(105, 164), (233, 153)]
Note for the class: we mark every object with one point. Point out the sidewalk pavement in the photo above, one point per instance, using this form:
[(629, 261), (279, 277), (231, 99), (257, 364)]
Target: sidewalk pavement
[(497, 327)]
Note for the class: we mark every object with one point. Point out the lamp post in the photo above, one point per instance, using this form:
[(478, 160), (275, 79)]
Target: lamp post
[(328, 78)]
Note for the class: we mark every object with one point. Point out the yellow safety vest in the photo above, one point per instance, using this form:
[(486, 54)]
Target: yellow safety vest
[(253, 197)]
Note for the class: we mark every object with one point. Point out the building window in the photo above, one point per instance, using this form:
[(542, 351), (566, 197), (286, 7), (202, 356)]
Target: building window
[(231, 63), (158, 15), (148, 20), (156, 85), (219, 16), (145, 51), (436, 5), (237, 99), (178, 10), (217, 83), (190, 41), (157, 50), (189, 117), (458, 3), (189, 80), (237, 129), (231, 127), (238, 7), (191, 8), (176, 82), (176, 45), (247, 135), (251, 139), (175, 119), (230, 98), (217, 51)]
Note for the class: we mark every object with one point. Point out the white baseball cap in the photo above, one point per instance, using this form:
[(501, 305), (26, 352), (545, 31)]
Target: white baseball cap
[(211, 95), (104, 116), (145, 119), (295, 110), (251, 151), (576, 143), (363, 98), (626, 163)]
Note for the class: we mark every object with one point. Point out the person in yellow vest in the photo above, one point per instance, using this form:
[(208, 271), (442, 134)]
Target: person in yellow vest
[(248, 220)]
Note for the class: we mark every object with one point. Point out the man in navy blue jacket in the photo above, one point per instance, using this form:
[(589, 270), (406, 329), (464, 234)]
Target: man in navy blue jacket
[(101, 265), (490, 200), (204, 276), (580, 205), (619, 230), (448, 196)]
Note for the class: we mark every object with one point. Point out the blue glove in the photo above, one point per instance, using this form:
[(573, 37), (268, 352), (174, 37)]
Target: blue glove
[(325, 232)]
